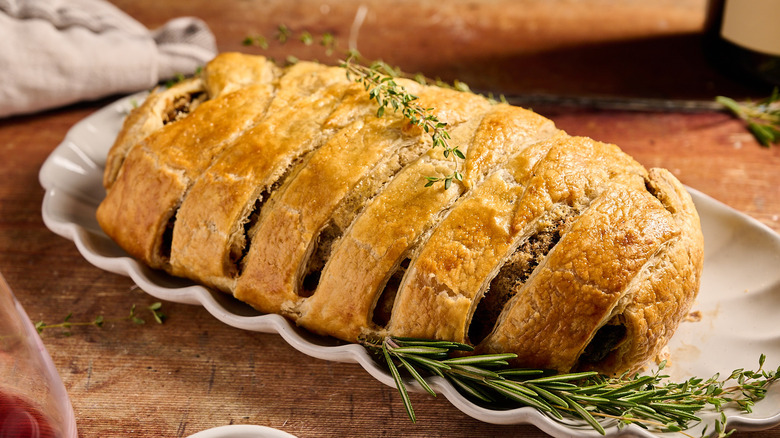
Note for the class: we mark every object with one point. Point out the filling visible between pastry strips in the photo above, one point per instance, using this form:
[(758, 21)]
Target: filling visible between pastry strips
[(342, 208), (518, 268), (314, 207), (182, 105), (218, 211), (363, 261), (321, 199)]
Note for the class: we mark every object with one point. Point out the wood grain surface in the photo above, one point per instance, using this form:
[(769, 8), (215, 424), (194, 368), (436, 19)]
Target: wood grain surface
[(193, 372)]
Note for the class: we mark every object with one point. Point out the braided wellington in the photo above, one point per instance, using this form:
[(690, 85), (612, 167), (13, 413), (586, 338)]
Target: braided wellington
[(283, 188)]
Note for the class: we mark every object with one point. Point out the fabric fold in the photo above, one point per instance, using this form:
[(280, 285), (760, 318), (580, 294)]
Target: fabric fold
[(57, 52)]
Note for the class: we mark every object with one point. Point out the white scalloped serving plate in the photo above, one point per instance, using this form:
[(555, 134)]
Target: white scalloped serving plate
[(739, 299)]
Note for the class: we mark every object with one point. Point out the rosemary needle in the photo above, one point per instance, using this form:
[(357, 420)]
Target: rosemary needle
[(651, 402)]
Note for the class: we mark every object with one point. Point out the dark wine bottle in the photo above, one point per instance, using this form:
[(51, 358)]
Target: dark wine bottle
[(742, 38)]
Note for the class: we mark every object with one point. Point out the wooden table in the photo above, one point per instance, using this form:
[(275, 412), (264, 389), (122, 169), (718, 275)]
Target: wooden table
[(193, 372)]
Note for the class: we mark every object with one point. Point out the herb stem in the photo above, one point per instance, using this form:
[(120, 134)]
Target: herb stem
[(379, 81), (99, 321), (762, 118), (648, 401)]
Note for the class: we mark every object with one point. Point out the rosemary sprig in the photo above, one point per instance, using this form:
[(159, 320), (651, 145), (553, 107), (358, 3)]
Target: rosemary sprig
[(650, 401), (379, 81), (66, 324), (762, 118)]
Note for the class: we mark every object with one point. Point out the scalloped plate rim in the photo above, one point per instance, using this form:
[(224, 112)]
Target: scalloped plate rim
[(106, 122)]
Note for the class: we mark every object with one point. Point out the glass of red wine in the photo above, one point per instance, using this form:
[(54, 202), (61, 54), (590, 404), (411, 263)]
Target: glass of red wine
[(33, 400)]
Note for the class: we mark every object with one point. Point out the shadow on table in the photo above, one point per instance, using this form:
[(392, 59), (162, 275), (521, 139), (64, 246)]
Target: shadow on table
[(667, 67)]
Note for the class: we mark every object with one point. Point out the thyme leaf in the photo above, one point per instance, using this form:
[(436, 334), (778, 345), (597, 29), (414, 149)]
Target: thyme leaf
[(155, 309), (256, 40), (650, 401), (378, 79), (283, 33), (762, 118)]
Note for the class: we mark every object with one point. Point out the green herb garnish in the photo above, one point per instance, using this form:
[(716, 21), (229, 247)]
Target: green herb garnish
[(379, 81), (255, 40), (283, 33), (328, 41), (306, 38), (648, 401), (66, 324), (762, 118), (378, 78), (178, 77)]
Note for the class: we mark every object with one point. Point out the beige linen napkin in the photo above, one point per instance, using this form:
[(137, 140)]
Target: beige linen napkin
[(57, 52)]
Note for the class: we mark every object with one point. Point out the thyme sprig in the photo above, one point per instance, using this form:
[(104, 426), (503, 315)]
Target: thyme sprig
[(762, 117), (155, 309), (649, 401), (379, 81), (284, 34)]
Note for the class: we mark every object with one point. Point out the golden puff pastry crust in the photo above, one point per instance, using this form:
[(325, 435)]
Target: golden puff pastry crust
[(286, 189)]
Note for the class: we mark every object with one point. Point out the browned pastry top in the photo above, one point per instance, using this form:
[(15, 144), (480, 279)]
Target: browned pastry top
[(283, 187)]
